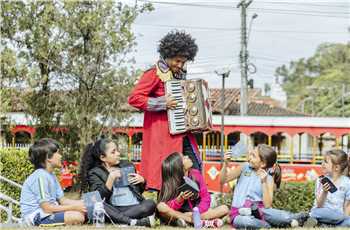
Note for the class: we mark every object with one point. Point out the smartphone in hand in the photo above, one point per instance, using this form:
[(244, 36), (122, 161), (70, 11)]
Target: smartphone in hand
[(325, 180)]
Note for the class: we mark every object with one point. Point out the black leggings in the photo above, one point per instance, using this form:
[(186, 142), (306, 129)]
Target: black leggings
[(124, 214)]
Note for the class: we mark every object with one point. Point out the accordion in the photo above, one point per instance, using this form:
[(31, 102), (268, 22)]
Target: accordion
[(193, 111)]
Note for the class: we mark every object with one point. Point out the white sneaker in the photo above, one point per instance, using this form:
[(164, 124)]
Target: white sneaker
[(294, 223), (245, 211), (152, 221)]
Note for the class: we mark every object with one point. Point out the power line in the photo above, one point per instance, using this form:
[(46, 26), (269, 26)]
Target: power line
[(296, 12), (211, 6), (302, 11), (280, 11), (296, 31), (190, 27), (280, 62), (237, 29), (336, 4)]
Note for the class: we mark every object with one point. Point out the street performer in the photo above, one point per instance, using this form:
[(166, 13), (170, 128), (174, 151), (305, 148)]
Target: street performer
[(175, 49)]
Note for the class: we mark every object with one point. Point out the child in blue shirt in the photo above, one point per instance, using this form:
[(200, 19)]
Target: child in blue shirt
[(42, 200), (333, 208), (253, 195)]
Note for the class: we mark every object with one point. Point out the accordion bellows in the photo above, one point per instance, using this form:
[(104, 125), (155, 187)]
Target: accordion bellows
[(193, 110)]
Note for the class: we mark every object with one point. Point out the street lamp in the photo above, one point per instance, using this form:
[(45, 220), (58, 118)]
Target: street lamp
[(254, 16), (224, 73)]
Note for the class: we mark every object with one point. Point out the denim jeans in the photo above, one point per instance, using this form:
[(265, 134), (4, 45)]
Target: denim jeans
[(249, 222), (277, 217), (330, 216)]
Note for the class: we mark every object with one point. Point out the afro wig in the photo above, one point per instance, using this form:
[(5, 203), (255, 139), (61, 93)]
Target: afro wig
[(178, 43)]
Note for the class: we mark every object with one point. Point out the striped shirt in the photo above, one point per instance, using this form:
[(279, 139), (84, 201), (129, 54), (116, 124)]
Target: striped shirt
[(41, 186)]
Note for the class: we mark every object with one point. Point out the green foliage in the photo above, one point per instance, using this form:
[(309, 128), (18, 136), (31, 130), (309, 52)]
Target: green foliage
[(320, 85), (14, 165), (294, 197), (70, 59)]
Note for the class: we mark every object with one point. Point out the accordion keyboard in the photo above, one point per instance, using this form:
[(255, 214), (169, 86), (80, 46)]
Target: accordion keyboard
[(177, 115)]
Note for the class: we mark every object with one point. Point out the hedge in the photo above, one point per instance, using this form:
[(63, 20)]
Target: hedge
[(14, 165), (295, 197)]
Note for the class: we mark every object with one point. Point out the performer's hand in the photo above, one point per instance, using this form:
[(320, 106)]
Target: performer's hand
[(135, 178), (170, 102), (137, 79)]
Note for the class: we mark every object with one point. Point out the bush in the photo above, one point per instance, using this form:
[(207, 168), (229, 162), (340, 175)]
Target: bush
[(295, 197), (292, 196), (14, 165)]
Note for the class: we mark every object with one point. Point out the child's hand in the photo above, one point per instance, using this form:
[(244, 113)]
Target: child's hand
[(115, 173), (227, 157), (79, 206), (326, 187), (135, 178), (263, 175), (184, 196)]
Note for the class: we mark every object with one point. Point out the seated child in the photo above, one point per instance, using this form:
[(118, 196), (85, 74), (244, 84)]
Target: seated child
[(176, 205), (333, 208), (103, 171), (42, 200), (254, 187)]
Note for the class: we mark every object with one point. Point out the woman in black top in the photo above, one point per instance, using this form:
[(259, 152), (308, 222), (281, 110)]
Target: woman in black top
[(101, 170)]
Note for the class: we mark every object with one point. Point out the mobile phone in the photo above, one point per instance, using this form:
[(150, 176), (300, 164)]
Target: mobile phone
[(324, 180)]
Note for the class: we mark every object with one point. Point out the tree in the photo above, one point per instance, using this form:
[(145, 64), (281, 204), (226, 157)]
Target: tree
[(75, 58), (320, 85)]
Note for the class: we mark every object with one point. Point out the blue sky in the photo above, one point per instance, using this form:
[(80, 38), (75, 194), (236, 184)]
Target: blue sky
[(283, 31)]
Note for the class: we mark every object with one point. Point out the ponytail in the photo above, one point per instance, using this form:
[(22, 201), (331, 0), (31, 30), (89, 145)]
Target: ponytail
[(269, 156), (88, 162), (348, 168), (277, 175)]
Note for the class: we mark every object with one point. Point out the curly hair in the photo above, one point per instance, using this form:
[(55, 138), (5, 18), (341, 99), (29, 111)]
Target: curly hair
[(91, 159), (177, 43)]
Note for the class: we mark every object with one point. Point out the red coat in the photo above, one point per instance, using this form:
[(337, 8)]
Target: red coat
[(157, 142)]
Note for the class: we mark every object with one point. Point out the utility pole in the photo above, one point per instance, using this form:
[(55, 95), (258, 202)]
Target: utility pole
[(342, 100), (243, 57)]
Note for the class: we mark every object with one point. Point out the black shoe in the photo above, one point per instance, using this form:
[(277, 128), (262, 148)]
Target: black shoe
[(301, 218), (148, 221), (310, 222), (181, 223)]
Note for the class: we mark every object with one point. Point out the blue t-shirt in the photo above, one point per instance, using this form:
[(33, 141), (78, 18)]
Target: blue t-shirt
[(337, 199), (248, 187), (41, 186)]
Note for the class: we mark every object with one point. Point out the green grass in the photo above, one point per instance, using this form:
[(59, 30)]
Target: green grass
[(128, 227), (75, 195)]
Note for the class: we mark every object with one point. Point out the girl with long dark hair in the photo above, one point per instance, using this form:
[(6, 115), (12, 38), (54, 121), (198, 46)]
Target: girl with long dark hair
[(100, 170), (176, 205)]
